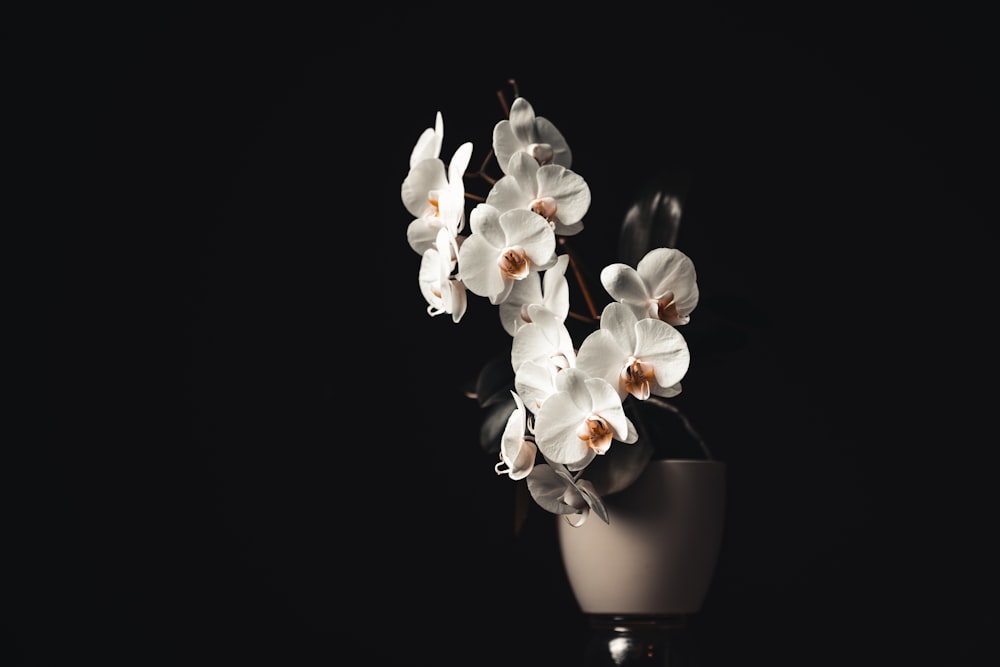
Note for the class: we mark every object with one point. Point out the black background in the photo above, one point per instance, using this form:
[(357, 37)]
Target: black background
[(262, 452)]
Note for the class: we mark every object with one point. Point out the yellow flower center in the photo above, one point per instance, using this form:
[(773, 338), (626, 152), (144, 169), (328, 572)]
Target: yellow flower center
[(636, 378), (666, 309), (595, 432), (514, 263)]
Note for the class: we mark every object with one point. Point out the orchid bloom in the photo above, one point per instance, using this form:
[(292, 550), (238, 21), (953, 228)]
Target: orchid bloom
[(517, 449), (556, 490), (636, 356), (545, 339), (663, 285), (503, 248), (568, 402), (534, 135), (552, 191), (580, 420), (442, 291), (435, 195), (540, 350), (550, 291)]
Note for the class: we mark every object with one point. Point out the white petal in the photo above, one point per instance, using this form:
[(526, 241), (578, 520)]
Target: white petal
[(670, 270), (485, 220), (505, 144), (532, 232), (522, 293), (517, 453), (663, 347), (421, 233), (567, 188), (477, 261), (507, 194), (619, 321), (548, 134), (601, 356), (459, 163), (522, 121), (535, 382), (623, 283), (543, 340), (556, 426), (429, 143), (423, 177), (524, 169), (607, 404), (458, 301), (556, 288)]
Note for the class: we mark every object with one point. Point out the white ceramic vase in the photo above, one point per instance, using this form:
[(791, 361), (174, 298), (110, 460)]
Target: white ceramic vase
[(657, 554)]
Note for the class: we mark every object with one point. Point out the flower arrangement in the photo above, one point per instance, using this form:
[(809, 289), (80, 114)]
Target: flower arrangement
[(567, 419)]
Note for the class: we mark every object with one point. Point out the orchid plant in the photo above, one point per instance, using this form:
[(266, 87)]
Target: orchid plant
[(563, 416)]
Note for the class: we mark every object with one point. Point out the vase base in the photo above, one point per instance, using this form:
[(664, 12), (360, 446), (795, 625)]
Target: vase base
[(629, 640)]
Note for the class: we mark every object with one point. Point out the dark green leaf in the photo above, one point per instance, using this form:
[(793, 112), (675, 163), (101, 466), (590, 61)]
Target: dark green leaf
[(653, 221), (494, 381), (494, 423), (617, 469)]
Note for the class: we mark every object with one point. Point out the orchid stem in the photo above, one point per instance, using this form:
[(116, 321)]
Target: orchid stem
[(578, 316), (503, 104), (503, 99), (580, 280)]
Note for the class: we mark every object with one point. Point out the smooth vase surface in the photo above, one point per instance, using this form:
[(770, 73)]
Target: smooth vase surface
[(657, 554)]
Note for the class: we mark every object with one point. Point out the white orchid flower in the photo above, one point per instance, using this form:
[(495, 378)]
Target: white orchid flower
[(448, 213), (429, 142), (636, 356), (552, 191), (435, 196), (663, 285), (536, 381), (535, 135), (581, 419), (549, 290), (545, 340), (554, 489), (503, 248), (517, 447), (442, 291)]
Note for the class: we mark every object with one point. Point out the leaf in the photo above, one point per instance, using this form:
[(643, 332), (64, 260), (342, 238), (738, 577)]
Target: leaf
[(594, 501), (617, 469), (495, 378), (495, 421), (653, 221)]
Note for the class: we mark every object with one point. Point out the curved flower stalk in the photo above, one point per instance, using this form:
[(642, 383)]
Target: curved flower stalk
[(563, 418)]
